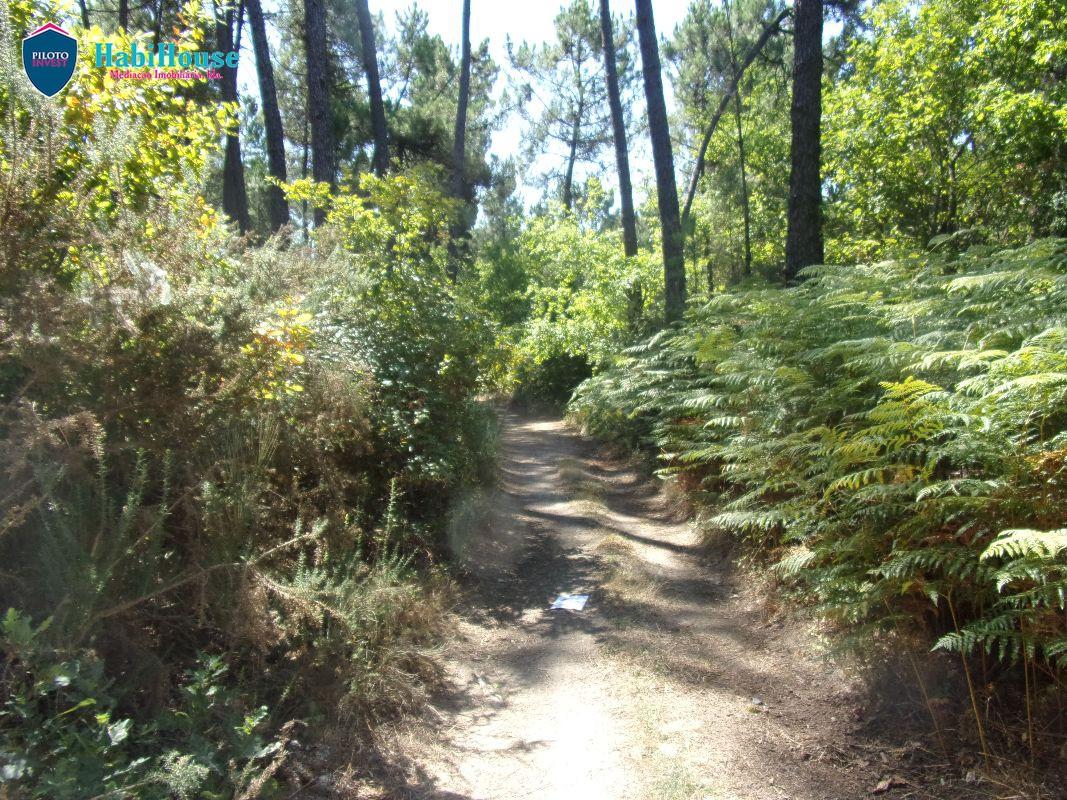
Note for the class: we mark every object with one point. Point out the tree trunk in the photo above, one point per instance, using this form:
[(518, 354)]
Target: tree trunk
[(277, 205), (568, 176), (698, 167), (662, 155), (124, 14), (234, 193), (745, 211), (374, 87), (318, 99), (84, 12), (803, 243), (304, 174), (740, 145), (459, 143), (157, 23), (618, 126)]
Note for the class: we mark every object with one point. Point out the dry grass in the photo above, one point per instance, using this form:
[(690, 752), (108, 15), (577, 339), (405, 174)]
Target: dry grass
[(628, 582), (577, 483)]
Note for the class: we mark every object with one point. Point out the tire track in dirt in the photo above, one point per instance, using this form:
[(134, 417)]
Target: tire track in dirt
[(670, 684)]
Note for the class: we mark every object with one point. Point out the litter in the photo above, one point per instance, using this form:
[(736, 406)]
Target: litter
[(571, 602)]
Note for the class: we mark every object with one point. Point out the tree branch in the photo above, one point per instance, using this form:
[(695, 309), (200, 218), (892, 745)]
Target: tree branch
[(698, 166)]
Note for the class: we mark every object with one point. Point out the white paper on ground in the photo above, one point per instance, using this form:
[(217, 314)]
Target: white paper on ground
[(571, 602)]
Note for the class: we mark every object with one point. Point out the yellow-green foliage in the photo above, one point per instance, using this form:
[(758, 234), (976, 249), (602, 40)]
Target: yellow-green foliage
[(949, 115), (581, 300), (223, 467), (874, 431), (130, 142)]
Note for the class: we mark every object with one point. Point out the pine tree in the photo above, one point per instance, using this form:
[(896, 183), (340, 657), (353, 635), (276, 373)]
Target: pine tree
[(234, 190), (374, 87), (278, 206), (804, 243), (318, 97), (663, 156), (618, 130)]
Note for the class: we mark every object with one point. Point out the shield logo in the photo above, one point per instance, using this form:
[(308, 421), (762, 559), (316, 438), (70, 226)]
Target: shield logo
[(49, 56)]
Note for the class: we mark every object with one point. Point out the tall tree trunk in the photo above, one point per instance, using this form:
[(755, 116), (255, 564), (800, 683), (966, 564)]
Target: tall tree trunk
[(740, 143), (568, 176), (803, 243), (234, 193), (277, 205), (662, 155), (124, 14), (84, 8), (318, 99), (304, 174), (157, 23), (746, 213), (698, 167), (459, 142), (618, 126), (374, 87)]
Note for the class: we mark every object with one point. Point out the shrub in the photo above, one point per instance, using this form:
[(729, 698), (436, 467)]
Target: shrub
[(880, 433), (225, 468), (66, 735), (583, 302)]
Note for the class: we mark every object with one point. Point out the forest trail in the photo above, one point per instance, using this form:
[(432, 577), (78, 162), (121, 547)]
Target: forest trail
[(671, 683)]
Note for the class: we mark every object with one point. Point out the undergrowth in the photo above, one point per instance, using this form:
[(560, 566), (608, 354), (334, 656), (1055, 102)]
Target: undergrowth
[(890, 439), (225, 466)]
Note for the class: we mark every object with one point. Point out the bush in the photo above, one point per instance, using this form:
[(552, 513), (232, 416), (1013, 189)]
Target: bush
[(225, 468), (891, 437), (65, 734), (551, 381), (582, 301)]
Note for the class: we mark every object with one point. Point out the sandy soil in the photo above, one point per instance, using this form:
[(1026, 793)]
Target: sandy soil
[(671, 683)]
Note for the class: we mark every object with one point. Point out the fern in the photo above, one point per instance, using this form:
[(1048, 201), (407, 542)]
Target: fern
[(1024, 542), (878, 424)]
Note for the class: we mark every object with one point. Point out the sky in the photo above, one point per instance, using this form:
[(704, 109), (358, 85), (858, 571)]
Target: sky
[(495, 20), (529, 20), (532, 21)]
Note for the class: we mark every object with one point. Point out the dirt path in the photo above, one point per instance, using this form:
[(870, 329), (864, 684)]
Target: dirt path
[(670, 684)]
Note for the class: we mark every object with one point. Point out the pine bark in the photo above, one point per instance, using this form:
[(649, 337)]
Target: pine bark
[(745, 211), (745, 207), (318, 97), (374, 87), (234, 192), (804, 241), (663, 157), (277, 205), (157, 23), (568, 176), (618, 127), (459, 142)]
